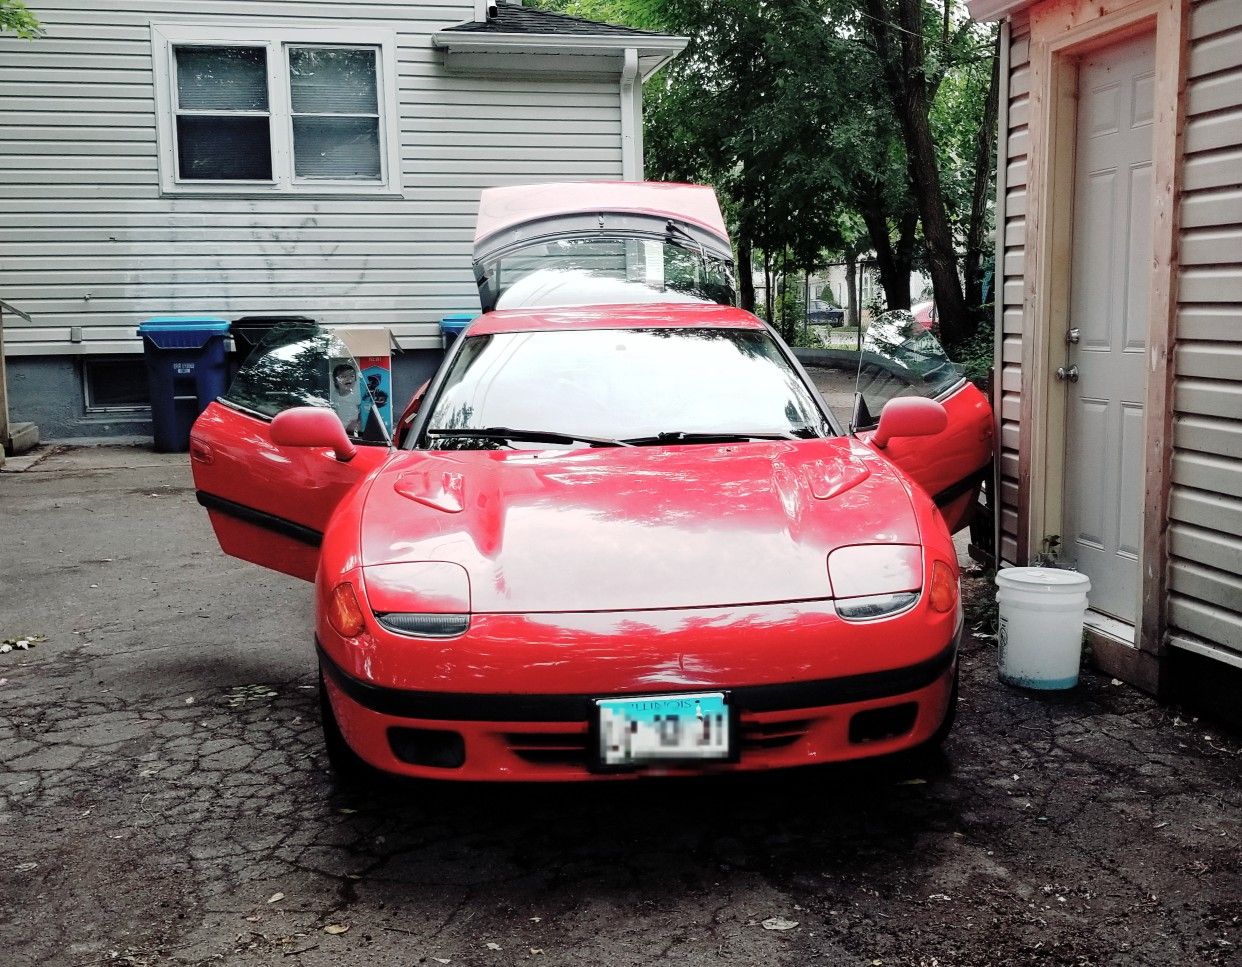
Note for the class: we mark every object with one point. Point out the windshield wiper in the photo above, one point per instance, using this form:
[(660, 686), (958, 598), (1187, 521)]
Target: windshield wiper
[(533, 436), (720, 436)]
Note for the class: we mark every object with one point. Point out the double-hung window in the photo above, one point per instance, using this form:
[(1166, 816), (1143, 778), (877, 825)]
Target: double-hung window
[(259, 110)]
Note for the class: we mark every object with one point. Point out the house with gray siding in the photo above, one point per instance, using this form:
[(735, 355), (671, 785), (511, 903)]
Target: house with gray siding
[(1119, 322), (233, 158)]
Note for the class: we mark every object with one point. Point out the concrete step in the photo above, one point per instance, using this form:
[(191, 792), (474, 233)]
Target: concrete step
[(22, 437)]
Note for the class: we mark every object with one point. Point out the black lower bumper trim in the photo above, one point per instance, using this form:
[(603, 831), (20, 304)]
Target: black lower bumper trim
[(462, 707)]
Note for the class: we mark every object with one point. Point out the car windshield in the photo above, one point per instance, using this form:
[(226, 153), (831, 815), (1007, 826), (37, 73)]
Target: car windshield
[(643, 386), (607, 271)]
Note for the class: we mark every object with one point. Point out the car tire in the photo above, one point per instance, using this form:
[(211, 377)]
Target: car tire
[(928, 759), (348, 768), (950, 715)]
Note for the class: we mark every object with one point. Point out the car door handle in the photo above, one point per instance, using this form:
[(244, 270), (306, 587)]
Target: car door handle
[(1067, 375)]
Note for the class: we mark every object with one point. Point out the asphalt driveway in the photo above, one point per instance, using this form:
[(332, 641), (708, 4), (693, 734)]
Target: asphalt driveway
[(164, 799)]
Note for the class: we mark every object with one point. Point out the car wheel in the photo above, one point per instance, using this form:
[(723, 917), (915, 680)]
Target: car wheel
[(928, 758), (942, 732), (348, 768)]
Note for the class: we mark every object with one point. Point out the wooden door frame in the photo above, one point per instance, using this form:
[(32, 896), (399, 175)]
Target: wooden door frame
[(1061, 33)]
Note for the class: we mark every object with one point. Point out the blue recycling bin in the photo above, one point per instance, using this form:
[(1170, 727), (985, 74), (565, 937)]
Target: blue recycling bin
[(187, 368), (452, 325)]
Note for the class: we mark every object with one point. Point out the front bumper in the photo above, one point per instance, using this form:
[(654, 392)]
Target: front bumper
[(546, 737)]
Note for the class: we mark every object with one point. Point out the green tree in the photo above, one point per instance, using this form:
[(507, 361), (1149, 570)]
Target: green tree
[(16, 18), (815, 117)]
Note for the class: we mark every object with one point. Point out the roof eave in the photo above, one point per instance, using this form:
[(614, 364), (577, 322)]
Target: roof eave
[(983, 10), (480, 40)]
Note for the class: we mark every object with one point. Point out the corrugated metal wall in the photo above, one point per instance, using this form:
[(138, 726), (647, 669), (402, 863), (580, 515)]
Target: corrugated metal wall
[(86, 239), (1016, 144), (1205, 532)]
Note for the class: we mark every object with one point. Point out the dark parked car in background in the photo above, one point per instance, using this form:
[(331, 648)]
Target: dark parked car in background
[(822, 313)]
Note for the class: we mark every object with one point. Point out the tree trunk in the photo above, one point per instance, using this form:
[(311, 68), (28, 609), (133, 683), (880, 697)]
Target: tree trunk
[(973, 269), (904, 63), (745, 272), (894, 282), (903, 252), (767, 285), (851, 285)]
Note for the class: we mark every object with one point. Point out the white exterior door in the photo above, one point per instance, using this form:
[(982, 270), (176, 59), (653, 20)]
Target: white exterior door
[(1110, 275)]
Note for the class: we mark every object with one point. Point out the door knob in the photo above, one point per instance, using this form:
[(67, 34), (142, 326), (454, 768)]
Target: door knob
[(1072, 336), (1070, 375)]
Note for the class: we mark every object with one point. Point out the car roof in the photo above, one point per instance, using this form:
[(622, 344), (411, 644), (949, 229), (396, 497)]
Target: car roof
[(673, 315)]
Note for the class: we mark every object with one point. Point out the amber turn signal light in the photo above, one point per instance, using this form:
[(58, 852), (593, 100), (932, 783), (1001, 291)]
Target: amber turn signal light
[(344, 612), (943, 593)]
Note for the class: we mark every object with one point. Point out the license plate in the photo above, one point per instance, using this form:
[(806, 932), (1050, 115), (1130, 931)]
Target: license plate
[(664, 728)]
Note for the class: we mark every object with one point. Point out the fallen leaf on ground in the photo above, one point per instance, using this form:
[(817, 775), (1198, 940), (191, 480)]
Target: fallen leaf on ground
[(275, 897), (443, 960), (536, 950), (779, 923), (492, 945), (336, 928)]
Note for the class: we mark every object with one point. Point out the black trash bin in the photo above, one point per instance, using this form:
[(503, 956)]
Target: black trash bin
[(248, 332), (187, 368)]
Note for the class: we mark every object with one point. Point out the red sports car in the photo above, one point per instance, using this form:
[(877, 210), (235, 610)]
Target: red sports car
[(621, 534)]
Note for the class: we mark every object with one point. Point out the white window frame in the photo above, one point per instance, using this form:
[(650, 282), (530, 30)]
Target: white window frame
[(277, 41)]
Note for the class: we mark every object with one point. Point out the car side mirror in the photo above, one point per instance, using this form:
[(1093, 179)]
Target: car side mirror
[(313, 426), (909, 416)]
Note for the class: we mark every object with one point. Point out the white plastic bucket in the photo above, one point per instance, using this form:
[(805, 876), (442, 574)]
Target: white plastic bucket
[(1040, 634)]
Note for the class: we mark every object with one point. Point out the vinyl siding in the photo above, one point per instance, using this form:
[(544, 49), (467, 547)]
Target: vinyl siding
[(1205, 504), (1015, 144), (87, 240)]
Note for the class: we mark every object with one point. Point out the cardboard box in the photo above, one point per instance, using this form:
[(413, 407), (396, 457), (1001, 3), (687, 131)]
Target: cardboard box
[(372, 348)]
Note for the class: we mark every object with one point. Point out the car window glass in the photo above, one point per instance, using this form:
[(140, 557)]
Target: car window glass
[(599, 271), (299, 364), (897, 356), (622, 384)]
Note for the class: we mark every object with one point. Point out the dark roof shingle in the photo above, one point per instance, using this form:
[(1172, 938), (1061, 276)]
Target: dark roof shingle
[(512, 19)]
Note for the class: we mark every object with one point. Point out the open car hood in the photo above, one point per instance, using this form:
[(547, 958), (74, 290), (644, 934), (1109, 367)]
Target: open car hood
[(518, 217), (518, 212), (623, 529)]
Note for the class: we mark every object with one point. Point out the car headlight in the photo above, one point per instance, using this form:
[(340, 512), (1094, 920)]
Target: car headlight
[(876, 605), (420, 599), (425, 625), (875, 580)]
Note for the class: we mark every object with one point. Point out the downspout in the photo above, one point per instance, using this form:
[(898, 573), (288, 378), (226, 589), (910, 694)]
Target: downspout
[(631, 118)]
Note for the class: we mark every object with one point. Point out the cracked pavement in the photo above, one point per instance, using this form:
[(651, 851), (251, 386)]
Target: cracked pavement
[(162, 781)]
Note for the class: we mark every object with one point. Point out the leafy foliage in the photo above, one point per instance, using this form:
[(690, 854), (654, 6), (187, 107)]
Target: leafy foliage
[(789, 108), (16, 18)]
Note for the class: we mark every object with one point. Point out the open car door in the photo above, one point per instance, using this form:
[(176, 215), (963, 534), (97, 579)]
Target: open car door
[(269, 504), (898, 357)]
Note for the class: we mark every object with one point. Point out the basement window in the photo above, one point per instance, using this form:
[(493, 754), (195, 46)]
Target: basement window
[(115, 385)]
